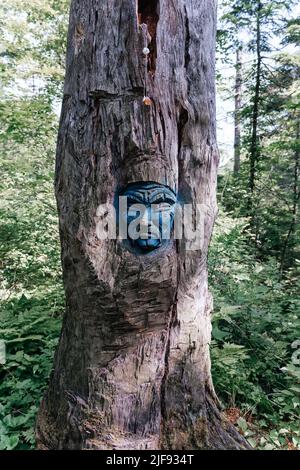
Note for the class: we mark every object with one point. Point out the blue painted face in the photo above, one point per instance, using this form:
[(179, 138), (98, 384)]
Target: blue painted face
[(149, 216)]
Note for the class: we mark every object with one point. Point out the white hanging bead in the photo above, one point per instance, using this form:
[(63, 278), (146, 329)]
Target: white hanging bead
[(146, 51)]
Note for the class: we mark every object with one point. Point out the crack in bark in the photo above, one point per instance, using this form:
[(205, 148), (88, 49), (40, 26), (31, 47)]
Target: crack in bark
[(187, 40), (105, 95), (164, 407), (183, 119)]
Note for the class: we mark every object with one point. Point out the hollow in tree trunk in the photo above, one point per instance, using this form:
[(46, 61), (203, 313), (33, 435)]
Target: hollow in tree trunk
[(132, 369)]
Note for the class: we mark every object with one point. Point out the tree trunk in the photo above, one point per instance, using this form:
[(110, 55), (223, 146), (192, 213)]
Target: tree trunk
[(132, 369), (254, 142), (237, 109)]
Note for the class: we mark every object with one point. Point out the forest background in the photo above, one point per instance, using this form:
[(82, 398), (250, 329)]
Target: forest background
[(254, 257)]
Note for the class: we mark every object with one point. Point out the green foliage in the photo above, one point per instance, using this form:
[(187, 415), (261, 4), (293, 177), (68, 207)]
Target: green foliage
[(32, 298), (33, 44), (30, 327), (254, 258), (31, 287), (256, 322)]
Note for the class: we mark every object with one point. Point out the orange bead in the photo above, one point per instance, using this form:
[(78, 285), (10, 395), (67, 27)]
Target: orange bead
[(147, 101)]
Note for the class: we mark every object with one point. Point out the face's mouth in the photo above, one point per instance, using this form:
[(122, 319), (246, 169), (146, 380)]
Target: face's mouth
[(148, 245)]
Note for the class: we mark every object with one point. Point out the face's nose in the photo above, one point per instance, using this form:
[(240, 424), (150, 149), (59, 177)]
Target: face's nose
[(145, 218)]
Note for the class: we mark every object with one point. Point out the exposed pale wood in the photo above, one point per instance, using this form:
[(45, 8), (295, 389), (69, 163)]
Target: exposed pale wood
[(132, 370)]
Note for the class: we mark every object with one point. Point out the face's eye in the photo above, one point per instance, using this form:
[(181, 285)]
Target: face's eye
[(132, 212), (162, 207), (129, 214), (138, 210)]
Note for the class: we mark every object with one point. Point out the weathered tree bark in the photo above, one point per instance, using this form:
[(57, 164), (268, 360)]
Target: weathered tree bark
[(237, 110), (132, 370)]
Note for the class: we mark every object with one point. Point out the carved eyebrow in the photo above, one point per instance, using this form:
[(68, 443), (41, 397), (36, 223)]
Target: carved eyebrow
[(159, 201), (134, 196), (152, 194), (162, 196)]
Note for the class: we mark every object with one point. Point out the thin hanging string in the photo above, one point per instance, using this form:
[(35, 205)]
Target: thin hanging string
[(146, 100), (146, 66), (146, 72)]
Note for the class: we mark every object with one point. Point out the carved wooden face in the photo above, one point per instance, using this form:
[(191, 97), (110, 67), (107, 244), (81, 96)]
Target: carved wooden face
[(149, 214)]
